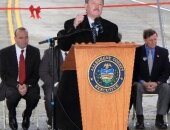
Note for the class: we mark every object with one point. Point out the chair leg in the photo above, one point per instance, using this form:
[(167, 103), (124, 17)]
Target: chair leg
[(166, 119), (4, 114), (133, 114), (35, 117), (37, 111)]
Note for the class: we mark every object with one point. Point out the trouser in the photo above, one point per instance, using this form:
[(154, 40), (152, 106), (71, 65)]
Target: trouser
[(13, 97), (49, 106), (163, 92)]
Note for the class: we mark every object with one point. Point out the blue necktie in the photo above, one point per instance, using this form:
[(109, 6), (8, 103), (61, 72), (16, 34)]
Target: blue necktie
[(94, 32), (150, 61)]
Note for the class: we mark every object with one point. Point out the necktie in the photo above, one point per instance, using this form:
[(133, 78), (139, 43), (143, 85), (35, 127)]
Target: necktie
[(94, 32), (22, 74), (150, 61), (66, 54)]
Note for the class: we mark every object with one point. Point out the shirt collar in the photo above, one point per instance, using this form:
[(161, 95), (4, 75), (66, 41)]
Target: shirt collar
[(90, 21), (147, 49), (18, 49), (64, 51)]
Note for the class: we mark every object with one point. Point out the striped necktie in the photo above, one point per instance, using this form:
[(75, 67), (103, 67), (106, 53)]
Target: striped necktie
[(94, 32)]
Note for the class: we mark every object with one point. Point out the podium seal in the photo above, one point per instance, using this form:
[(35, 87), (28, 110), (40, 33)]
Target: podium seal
[(106, 74)]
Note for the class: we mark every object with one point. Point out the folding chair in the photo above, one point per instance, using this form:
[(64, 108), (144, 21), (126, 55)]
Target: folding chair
[(34, 117), (3, 106)]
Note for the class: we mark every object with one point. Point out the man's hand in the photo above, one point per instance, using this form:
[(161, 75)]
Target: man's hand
[(22, 89), (79, 18), (150, 86), (153, 85)]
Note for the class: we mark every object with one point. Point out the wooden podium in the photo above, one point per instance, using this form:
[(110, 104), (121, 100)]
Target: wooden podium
[(99, 110)]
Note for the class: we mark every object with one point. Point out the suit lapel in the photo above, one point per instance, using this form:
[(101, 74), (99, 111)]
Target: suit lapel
[(57, 54), (57, 58), (156, 59), (29, 58), (144, 59), (85, 25), (13, 58), (101, 35)]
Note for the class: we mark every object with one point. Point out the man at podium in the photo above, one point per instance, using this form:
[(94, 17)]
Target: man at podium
[(89, 28)]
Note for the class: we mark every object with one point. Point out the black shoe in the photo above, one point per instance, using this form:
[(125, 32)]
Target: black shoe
[(49, 125), (140, 122), (25, 122), (13, 123), (140, 126), (160, 124)]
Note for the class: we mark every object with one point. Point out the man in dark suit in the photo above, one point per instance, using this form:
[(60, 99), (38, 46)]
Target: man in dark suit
[(82, 26), (151, 71), (79, 29), (50, 72), (19, 73)]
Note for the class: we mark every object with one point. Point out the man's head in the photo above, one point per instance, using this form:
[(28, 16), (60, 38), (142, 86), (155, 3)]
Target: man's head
[(94, 8), (150, 37), (21, 37)]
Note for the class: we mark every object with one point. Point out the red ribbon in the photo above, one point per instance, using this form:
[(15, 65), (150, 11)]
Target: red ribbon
[(35, 12)]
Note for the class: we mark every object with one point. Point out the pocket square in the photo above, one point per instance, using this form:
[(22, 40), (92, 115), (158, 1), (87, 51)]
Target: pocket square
[(144, 58)]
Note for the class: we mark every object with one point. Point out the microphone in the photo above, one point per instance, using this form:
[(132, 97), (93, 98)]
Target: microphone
[(98, 24), (48, 40), (64, 35)]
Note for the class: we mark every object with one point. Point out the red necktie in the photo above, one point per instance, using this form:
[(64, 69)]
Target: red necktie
[(22, 68)]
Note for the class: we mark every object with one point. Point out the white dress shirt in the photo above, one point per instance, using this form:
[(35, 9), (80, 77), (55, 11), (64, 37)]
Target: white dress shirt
[(18, 53)]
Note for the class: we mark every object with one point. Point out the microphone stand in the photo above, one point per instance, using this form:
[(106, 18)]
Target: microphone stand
[(52, 44)]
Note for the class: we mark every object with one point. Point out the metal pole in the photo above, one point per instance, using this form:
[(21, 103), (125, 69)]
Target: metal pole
[(160, 23), (161, 27)]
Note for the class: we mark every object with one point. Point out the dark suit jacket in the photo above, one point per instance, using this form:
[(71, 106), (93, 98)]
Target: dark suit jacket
[(110, 32), (68, 114), (50, 65), (46, 69), (160, 70), (9, 68)]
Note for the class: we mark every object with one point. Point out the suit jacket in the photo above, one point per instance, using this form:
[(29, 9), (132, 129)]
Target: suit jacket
[(160, 69), (9, 68), (110, 32), (46, 69), (68, 110)]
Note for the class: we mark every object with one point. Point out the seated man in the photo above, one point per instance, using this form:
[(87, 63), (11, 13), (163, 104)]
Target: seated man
[(50, 67), (19, 73), (151, 71)]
